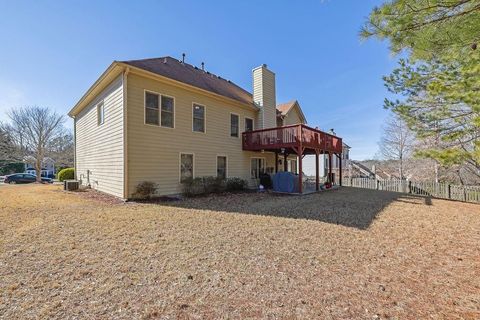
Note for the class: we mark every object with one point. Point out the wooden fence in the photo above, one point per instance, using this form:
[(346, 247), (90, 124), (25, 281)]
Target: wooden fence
[(430, 189)]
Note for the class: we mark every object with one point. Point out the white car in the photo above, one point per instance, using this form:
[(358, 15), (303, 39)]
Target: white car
[(2, 178)]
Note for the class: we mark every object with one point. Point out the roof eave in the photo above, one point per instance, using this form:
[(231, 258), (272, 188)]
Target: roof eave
[(84, 100)]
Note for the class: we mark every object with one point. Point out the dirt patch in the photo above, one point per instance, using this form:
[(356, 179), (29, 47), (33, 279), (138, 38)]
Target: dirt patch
[(348, 254)]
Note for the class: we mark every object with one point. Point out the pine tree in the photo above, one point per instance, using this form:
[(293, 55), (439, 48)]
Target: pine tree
[(438, 85)]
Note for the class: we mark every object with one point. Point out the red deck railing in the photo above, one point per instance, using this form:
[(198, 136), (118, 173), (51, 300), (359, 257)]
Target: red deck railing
[(293, 136)]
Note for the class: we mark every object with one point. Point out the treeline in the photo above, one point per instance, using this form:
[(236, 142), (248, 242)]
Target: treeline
[(36, 132)]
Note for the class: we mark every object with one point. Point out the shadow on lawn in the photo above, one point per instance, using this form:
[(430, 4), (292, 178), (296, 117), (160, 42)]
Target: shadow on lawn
[(350, 207)]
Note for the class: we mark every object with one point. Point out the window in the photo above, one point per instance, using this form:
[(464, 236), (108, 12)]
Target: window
[(167, 116), (248, 124), (186, 166), (233, 125), (198, 118), (257, 167), (151, 108), (222, 167), (159, 115), (100, 113)]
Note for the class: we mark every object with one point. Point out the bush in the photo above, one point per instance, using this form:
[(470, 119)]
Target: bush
[(202, 185), (66, 174), (236, 184), (145, 190)]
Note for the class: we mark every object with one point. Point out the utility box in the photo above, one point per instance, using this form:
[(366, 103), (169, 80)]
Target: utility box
[(70, 185)]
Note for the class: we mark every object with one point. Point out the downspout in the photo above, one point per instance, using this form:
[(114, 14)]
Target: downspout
[(75, 146), (125, 135)]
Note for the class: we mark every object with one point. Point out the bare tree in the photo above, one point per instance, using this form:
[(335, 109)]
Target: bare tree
[(397, 142), (34, 129), (61, 149), (5, 144)]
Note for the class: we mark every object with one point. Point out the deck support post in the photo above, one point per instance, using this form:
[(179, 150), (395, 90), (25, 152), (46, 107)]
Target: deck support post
[(316, 171), (285, 164), (276, 161), (300, 158), (330, 178), (300, 177)]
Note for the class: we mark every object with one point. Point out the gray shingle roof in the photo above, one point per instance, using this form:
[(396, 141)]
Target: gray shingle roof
[(186, 73)]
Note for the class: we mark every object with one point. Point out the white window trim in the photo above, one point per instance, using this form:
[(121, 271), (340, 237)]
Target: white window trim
[(230, 126), (159, 109), (245, 124), (100, 105), (264, 165), (204, 117), (226, 164), (180, 164)]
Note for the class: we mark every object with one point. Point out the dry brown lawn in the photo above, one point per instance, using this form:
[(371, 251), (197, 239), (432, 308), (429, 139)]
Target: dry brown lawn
[(344, 254)]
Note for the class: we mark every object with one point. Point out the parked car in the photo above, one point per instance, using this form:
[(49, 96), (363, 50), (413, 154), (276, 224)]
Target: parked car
[(2, 178), (24, 178)]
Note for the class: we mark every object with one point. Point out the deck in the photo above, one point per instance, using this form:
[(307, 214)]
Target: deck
[(293, 139), (296, 139)]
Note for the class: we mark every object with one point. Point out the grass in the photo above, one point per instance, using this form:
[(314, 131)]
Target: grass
[(349, 253)]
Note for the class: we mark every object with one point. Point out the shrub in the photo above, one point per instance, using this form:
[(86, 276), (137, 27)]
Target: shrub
[(66, 174), (236, 184), (193, 187), (213, 184), (202, 185), (145, 190)]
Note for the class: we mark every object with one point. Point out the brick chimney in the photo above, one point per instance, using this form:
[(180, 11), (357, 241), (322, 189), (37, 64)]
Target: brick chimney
[(264, 97)]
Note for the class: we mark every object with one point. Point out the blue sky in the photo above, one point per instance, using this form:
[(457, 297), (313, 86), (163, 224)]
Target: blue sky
[(52, 51)]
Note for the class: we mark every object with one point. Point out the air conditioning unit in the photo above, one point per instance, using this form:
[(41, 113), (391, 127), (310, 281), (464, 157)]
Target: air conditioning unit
[(70, 185)]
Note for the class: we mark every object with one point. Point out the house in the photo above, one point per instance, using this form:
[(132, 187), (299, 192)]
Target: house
[(337, 162), (48, 166), (164, 120), (309, 164), (362, 170)]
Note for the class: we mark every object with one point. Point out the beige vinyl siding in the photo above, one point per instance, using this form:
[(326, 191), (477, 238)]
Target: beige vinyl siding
[(99, 148), (264, 96), (293, 117), (154, 152)]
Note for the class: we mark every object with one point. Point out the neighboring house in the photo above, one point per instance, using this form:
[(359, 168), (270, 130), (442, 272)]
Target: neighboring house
[(163, 120), (48, 166), (345, 159), (309, 167), (360, 170)]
